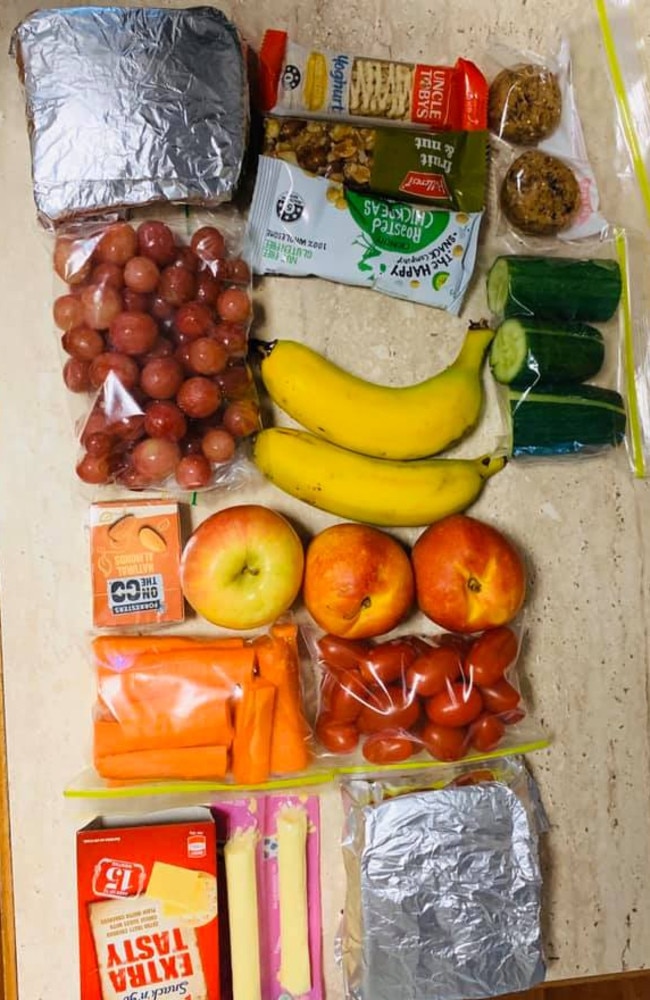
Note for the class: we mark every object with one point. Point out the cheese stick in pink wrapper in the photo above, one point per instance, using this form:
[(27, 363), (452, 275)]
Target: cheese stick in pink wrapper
[(297, 80)]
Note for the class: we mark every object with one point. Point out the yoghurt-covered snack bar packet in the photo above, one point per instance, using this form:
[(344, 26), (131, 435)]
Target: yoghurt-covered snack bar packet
[(297, 80), (304, 225), (445, 169)]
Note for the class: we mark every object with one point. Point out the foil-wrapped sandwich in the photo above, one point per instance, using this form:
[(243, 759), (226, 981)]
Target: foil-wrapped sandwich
[(127, 107)]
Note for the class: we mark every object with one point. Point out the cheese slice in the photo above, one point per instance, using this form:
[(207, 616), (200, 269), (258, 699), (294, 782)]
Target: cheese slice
[(180, 891), (295, 962), (243, 916)]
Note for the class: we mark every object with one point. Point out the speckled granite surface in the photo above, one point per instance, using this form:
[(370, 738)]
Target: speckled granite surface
[(585, 529)]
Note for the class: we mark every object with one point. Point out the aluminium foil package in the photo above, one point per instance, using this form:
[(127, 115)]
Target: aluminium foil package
[(128, 107), (444, 891)]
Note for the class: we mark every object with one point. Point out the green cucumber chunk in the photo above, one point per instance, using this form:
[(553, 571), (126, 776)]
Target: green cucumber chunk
[(527, 352), (565, 421), (555, 288)]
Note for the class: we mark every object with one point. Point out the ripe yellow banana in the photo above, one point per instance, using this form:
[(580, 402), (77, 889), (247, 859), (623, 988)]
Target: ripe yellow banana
[(387, 422), (374, 490)]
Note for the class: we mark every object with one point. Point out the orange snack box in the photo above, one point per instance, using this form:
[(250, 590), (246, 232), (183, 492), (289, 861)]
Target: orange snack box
[(135, 550), (147, 899)]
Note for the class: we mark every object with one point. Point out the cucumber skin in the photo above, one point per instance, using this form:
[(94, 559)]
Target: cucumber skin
[(561, 288), (553, 357), (548, 427)]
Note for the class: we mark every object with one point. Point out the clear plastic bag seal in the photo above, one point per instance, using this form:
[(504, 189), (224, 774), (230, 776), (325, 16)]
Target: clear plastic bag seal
[(153, 320)]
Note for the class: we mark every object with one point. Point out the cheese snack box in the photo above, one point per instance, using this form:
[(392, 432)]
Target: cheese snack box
[(147, 900)]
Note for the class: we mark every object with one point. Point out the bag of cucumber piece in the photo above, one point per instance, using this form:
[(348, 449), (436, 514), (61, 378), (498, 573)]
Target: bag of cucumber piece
[(564, 325)]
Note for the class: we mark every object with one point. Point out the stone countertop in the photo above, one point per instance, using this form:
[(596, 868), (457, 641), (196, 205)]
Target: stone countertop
[(582, 525)]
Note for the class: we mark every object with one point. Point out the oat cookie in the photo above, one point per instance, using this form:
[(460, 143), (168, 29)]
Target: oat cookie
[(540, 194), (525, 104)]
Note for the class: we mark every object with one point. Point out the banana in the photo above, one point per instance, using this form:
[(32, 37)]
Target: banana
[(374, 490), (387, 422)]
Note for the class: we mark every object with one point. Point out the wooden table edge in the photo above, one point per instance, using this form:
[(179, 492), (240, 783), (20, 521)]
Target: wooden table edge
[(9, 981)]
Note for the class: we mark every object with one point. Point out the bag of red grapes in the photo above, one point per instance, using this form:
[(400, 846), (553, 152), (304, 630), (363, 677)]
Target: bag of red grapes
[(153, 318)]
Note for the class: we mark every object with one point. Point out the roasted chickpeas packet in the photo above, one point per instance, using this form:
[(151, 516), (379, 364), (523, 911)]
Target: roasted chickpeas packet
[(304, 225)]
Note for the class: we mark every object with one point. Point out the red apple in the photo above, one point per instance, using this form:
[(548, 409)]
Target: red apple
[(358, 581), (242, 567), (468, 576)]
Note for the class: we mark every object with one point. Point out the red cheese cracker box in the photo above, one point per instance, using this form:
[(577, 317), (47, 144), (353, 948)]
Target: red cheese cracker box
[(147, 896)]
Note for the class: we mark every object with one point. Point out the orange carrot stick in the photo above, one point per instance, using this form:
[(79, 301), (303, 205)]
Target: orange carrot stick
[(277, 657), (117, 651), (251, 749), (193, 762)]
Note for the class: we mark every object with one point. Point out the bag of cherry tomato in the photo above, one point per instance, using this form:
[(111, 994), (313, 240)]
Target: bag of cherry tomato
[(153, 318), (421, 699)]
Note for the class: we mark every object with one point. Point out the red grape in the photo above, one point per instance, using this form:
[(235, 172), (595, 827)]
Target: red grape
[(241, 418), (98, 443), (108, 274), (136, 301), (177, 285), (101, 304), (71, 260), (192, 319), (163, 419), (239, 272), (207, 357), (118, 244), (162, 310), (207, 288), (95, 423), (161, 378), (76, 375), (199, 397), (156, 241), (193, 472), (162, 348), (191, 445), (156, 458), (236, 382), (234, 305), (182, 354), (141, 274), (187, 258), (130, 478), (94, 469), (124, 368), (218, 445), (208, 243), (233, 337), (68, 312), (133, 332), (128, 428), (83, 343)]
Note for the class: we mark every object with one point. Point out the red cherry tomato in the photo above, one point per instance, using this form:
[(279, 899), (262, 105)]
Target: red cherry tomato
[(513, 717), (474, 778), (444, 743), (491, 655), (388, 708), (337, 737), (500, 697), (388, 662), (433, 671), (457, 706), (487, 732), (345, 696), (342, 654), (388, 748)]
